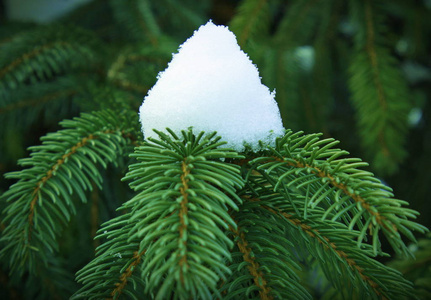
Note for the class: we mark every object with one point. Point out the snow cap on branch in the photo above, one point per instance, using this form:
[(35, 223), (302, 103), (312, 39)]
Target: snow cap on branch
[(212, 85)]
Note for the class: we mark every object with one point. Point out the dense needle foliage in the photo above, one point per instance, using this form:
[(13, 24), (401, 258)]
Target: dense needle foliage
[(181, 217)]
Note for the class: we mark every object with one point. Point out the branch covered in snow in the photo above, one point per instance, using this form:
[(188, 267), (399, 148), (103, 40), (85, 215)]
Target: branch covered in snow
[(212, 85)]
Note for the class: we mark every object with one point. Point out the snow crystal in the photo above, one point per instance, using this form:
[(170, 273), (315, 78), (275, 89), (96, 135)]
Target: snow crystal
[(212, 85)]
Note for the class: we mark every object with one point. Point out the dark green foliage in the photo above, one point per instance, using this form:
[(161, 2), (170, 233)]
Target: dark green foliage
[(297, 51), (181, 213), (262, 262), (299, 220), (54, 50), (177, 234), (65, 165), (117, 255), (312, 167), (417, 270), (378, 90)]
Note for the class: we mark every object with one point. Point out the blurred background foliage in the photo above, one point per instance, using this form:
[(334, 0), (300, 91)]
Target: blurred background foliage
[(357, 70)]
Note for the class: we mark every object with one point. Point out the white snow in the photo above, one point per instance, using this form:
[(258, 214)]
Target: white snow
[(212, 85)]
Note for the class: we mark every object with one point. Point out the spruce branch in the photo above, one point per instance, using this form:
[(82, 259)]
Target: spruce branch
[(332, 246), (115, 270), (265, 267), (23, 107), (174, 233), (378, 91), (138, 62), (177, 217), (297, 23), (180, 183), (252, 19), (33, 102), (294, 218), (417, 270), (179, 16), (348, 194), (137, 18), (41, 202), (43, 53), (253, 267)]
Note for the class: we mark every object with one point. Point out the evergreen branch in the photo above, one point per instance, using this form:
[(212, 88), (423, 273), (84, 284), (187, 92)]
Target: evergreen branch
[(43, 104), (106, 278), (40, 201), (180, 15), (372, 55), (60, 162), (137, 18), (297, 24), (262, 266), (24, 103), (344, 191), (340, 253), (124, 277), (251, 19), (335, 182), (139, 61), (44, 52), (326, 243), (253, 266), (131, 86), (379, 92), (417, 270), (31, 54), (184, 192), (183, 214)]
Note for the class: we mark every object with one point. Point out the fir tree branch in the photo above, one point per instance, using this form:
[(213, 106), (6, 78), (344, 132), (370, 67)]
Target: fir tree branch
[(46, 98), (138, 20), (31, 54), (326, 243), (43, 181), (253, 267), (105, 277), (297, 24), (379, 92), (263, 266), (335, 182), (371, 51), (183, 214), (45, 52), (190, 14), (139, 61), (339, 252), (137, 257), (307, 162), (40, 202), (130, 86), (178, 180), (251, 19)]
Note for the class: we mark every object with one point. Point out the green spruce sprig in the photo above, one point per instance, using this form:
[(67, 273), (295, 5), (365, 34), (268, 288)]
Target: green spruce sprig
[(208, 222), (60, 170)]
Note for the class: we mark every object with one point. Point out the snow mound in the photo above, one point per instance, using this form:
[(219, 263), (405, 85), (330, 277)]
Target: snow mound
[(212, 85)]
